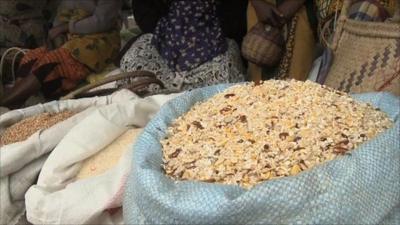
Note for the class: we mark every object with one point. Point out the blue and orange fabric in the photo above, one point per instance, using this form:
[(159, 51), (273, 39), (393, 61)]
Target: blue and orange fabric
[(57, 70), (61, 70)]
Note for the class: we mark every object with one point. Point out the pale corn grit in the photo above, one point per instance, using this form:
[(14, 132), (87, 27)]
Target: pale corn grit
[(249, 134)]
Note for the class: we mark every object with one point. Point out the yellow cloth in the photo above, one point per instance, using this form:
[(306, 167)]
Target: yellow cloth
[(94, 50), (302, 53), (96, 77), (303, 49), (254, 71)]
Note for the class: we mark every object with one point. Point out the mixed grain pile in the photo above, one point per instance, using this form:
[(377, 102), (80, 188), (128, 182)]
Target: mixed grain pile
[(108, 157), (248, 134), (26, 127)]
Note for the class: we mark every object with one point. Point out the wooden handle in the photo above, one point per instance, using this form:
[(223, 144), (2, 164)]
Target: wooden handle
[(126, 75), (135, 87)]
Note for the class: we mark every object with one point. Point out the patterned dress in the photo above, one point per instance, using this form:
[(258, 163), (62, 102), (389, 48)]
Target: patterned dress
[(189, 35), (187, 50), (224, 68)]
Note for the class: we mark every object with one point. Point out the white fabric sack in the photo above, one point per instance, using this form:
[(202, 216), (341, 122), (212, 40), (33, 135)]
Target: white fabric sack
[(58, 198), (25, 159), (3, 110)]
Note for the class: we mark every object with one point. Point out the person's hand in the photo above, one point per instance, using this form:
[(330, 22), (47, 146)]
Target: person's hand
[(290, 7), (47, 44), (57, 31), (268, 13)]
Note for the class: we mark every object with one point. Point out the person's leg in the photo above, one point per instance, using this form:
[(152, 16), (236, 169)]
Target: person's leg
[(48, 75), (27, 86), (66, 75), (22, 89), (24, 69)]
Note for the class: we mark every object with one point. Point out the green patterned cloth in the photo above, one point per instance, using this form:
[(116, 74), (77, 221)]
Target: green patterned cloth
[(22, 23)]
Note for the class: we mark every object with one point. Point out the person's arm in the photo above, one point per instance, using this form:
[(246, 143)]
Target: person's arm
[(273, 15), (103, 19), (290, 7), (58, 30), (268, 13)]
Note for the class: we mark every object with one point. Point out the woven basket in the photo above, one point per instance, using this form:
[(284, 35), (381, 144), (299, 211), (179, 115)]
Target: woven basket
[(366, 55), (263, 45)]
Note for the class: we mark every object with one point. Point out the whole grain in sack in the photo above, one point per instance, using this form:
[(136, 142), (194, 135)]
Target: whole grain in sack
[(26, 127), (109, 156), (249, 134)]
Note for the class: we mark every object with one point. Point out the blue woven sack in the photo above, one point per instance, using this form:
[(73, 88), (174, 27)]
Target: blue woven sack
[(359, 188)]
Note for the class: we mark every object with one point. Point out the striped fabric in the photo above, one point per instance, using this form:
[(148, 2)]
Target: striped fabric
[(368, 10), (57, 70)]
